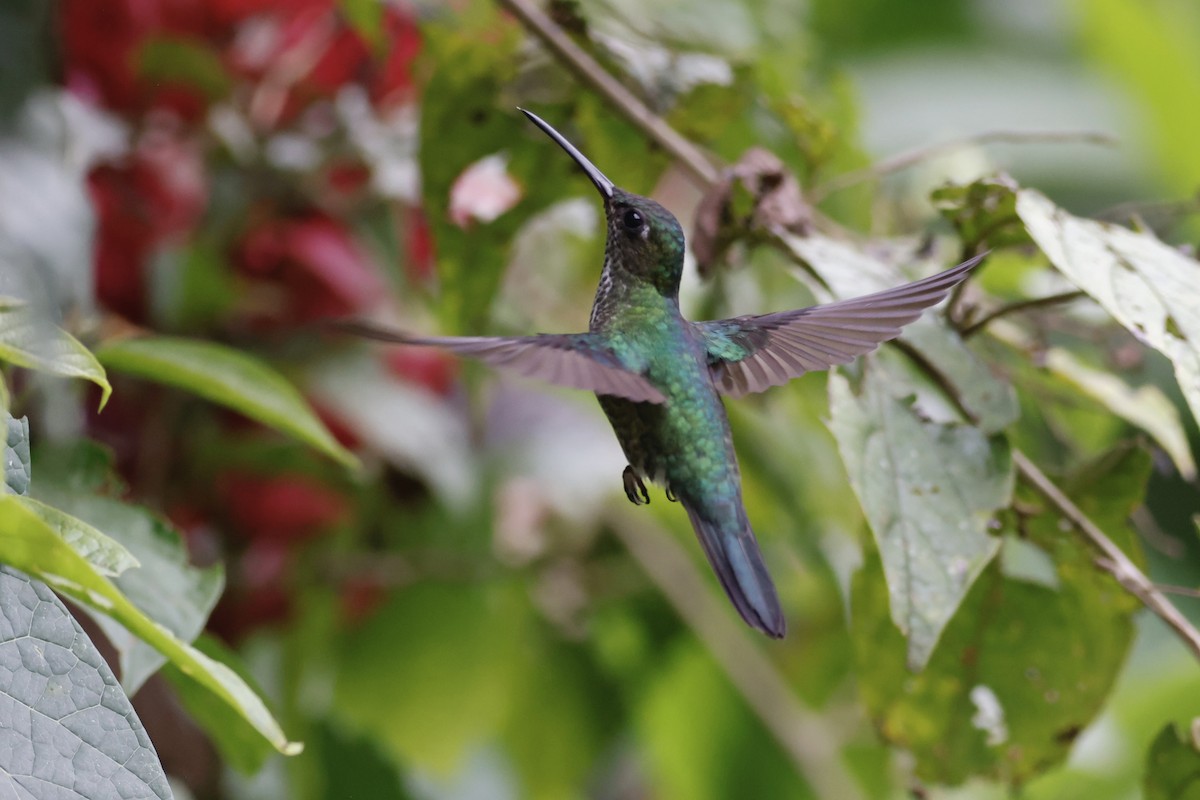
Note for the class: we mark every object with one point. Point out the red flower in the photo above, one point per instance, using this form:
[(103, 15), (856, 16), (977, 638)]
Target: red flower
[(102, 47), (426, 366), (320, 269), (393, 82), (282, 508), (154, 196), (421, 265), (258, 594), (359, 597)]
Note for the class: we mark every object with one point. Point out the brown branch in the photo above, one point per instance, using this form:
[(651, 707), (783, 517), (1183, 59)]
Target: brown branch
[(903, 161), (1113, 559), (1021, 305), (806, 738), (592, 74)]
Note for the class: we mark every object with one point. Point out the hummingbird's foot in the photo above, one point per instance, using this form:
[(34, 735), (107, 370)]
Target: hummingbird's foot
[(633, 485), (671, 495)]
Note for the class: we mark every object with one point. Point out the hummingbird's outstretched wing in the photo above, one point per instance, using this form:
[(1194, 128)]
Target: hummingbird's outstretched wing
[(753, 353), (575, 360)]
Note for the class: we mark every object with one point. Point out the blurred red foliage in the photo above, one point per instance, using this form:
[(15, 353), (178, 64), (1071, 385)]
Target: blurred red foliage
[(273, 67), (157, 193), (278, 56), (434, 369), (283, 508), (313, 260)]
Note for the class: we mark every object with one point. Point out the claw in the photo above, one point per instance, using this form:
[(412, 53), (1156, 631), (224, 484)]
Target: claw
[(633, 485), (671, 495)]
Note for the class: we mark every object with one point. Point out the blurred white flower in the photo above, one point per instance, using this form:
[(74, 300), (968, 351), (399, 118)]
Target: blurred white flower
[(483, 191)]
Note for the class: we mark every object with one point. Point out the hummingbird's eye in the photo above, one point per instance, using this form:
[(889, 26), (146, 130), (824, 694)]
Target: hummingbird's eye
[(632, 220)]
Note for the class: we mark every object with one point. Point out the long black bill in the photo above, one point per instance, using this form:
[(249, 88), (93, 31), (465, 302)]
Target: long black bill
[(602, 183)]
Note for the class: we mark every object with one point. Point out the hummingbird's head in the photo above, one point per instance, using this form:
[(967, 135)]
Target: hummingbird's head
[(644, 241)]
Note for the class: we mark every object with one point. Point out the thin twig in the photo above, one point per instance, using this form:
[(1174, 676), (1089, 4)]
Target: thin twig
[(911, 158), (804, 736), (592, 74), (1123, 212), (1021, 305), (1182, 591), (1113, 558)]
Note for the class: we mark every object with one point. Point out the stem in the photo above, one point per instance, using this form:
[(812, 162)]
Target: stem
[(911, 158), (1021, 305), (593, 75), (805, 737), (1113, 559)]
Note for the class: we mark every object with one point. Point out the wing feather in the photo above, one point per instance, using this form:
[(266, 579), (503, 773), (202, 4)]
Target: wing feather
[(578, 360), (751, 354)]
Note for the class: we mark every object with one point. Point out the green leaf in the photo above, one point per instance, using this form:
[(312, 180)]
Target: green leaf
[(69, 730), (29, 544), (365, 16), (470, 91), (107, 555), (929, 490), (226, 376), (163, 59), (28, 340), (1145, 407), (443, 656), (701, 741), (1148, 286), (983, 212), (562, 715), (355, 767), (1022, 667), (1172, 767), (167, 589), (17, 469), (240, 744)]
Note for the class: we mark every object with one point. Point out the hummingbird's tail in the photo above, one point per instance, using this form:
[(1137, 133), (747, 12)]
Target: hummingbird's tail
[(734, 555)]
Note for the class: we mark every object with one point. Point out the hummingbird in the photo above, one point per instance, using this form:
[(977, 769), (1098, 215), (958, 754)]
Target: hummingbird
[(660, 378)]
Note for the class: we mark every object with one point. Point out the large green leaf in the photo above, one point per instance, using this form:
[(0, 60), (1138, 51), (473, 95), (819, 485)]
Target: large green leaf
[(443, 657), (356, 767), (166, 588), (1026, 662), (1149, 287), (1172, 767), (29, 544), (700, 739), (15, 453), (71, 481), (107, 555), (562, 713), (930, 491), (69, 731), (225, 376), (31, 341), (240, 744)]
